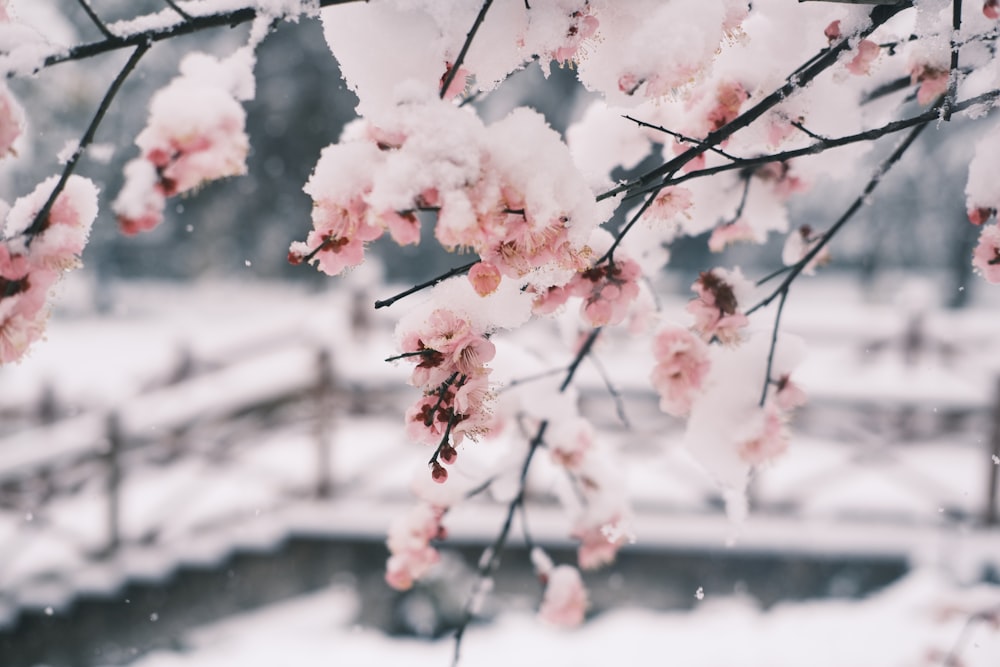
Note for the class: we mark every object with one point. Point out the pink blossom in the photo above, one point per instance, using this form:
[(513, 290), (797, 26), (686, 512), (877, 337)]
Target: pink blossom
[(729, 97), (193, 143), (991, 9), (340, 231), (582, 26), (140, 204), (548, 301), (779, 175), (570, 442), (60, 240), (458, 84), (681, 367), (608, 290), (986, 256), (599, 545), (933, 82), (565, 600), (768, 442), (485, 278), (788, 395), (409, 545), (733, 232), (668, 204), (23, 291), (11, 120), (403, 227), (861, 64), (800, 243), (715, 309), (832, 31), (978, 216)]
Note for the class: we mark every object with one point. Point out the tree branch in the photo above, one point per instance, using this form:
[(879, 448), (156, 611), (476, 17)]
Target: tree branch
[(680, 137), (38, 224), (184, 27), (855, 206), (183, 14), (94, 18), (797, 80), (457, 271), (453, 70)]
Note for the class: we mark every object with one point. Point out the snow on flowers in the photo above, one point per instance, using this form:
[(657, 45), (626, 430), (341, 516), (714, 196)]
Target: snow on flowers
[(34, 255), (195, 134), (426, 156)]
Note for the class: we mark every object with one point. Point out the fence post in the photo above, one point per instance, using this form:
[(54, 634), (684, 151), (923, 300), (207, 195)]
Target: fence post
[(990, 517), (323, 394), (114, 480)]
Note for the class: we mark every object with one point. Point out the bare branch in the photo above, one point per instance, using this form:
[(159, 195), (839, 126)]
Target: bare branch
[(457, 271), (182, 27), (38, 224), (855, 206), (183, 14), (94, 18), (453, 70)]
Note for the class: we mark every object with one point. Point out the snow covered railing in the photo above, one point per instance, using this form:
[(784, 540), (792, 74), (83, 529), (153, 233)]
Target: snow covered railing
[(272, 378)]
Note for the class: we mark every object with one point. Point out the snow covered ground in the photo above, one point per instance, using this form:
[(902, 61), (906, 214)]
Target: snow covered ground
[(917, 622)]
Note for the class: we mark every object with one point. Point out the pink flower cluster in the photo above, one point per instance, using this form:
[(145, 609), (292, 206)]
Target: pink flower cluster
[(607, 291), (450, 357), (715, 308), (411, 555), (195, 133), (367, 185), (681, 367), (34, 256)]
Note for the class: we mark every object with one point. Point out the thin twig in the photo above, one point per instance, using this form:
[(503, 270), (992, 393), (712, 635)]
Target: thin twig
[(457, 271), (183, 14), (956, 26), (580, 356), (774, 344), (488, 565), (95, 19), (453, 70), (612, 391), (855, 206), (931, 114), (184, 27), (799, 79), (491, 556), (683, 138), (41, 219)]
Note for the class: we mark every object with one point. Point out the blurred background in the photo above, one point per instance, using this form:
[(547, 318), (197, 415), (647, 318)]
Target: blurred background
[(198, 466)]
